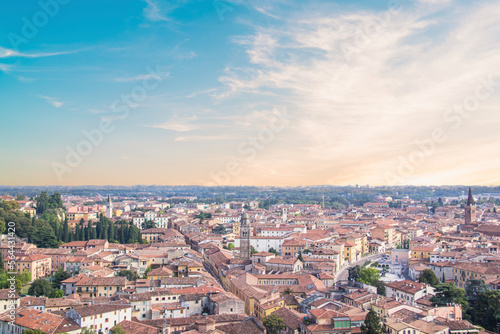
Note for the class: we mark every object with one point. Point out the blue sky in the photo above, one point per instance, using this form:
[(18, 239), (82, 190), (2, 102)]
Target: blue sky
[(250, 92)]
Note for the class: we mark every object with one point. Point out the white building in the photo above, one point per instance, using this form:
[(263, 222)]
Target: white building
[(263, 244), (100, 318), (408, 291)]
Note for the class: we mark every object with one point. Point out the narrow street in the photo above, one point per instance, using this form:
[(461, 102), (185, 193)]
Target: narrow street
[(343, 274)]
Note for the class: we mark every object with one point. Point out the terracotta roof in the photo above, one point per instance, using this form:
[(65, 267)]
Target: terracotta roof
[(86, 311), (132, 327), (291, 318)]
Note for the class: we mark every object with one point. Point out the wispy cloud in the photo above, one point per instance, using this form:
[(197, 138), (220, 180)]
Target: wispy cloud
[(200, 138), (201, 92), (6, 53), (157, 10), (52, 101), (142, 77), (176, 124)]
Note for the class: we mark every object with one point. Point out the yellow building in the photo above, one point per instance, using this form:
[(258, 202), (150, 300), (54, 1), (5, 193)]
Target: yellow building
[(160, 273), (38, 265), (385, 233), (349, 251), (100, 286), (421, 252), (463, 271), (360, 242), (185, 268), (267, 307)]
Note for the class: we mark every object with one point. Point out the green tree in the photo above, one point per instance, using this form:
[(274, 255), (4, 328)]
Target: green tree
[(203, 215), (252, 251), (56, 293), (134, 235), (44, 236), (79, 231), (129, 274), (149, 224), (1, 262), (219, 229), (148, 269), (42, 202), (274, 251), (300, 258), (59, 276), (123, 232), (428, 276), (273, 324), (55, 201), (353, 273), (485, 311), (65, 232), (25, 277), (371, 324), (90, 331), (380, 286), (111, 231), (34, 331), (40, 287), (473, 288), (117, 330), (230, 246), (447, 293), (368, 275)]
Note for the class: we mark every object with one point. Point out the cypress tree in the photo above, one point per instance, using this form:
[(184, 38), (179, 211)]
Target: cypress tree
[(372, 324), (98, 228), (104, 234), (122, 234), (111, 231), (65, 233), (80, 233)]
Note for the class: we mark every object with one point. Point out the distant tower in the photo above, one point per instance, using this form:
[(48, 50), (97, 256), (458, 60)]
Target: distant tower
[(109, 209), (284, 215), (470, 209), (244, 237)]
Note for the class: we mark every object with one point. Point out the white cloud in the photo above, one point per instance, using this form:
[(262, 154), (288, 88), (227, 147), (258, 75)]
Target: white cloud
[(158, 10), (200, 138), (52, 101), (142, 77), (5, 53), (178, 124), (364, 86)]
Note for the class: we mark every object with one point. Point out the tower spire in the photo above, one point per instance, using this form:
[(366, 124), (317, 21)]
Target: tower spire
[(470, 199)]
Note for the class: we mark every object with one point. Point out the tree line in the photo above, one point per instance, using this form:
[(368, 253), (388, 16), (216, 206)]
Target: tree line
[(51, 228)]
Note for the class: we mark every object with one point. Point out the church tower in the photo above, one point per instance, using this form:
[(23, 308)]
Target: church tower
[(470, 210), (244, 237), (284, 215), (109, 209)]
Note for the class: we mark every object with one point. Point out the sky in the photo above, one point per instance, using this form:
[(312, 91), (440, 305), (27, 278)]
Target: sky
[(264, 92)]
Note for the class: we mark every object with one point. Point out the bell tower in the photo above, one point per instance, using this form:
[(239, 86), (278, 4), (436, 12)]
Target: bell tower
[(109, 209), (244, 237), (470, 210)]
